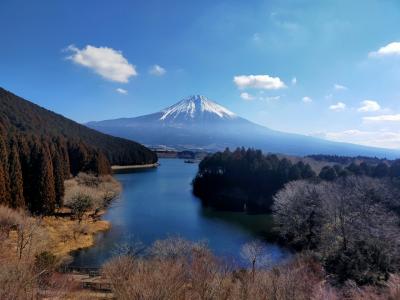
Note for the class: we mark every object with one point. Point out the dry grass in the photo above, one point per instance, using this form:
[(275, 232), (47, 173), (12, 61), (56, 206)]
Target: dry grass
[(66, 235), (178, 269), (23, 238)]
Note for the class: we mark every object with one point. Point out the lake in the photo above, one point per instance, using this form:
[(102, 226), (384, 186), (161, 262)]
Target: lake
[(158, 203)]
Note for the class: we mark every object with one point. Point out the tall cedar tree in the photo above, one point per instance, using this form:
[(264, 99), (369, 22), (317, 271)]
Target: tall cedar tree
[(15, 171), (44, 195), (3, 190), (59, 174), (4, 175)]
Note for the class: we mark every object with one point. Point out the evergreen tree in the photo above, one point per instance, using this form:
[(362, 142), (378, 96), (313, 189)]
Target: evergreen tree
[(381, 170), (3, 173), (47, 182), (59, 173), (5, 196), (328, 173), (16, 179), (43, 191)]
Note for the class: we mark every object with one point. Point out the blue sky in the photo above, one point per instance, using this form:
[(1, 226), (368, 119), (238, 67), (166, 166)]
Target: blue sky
[(325, 68)]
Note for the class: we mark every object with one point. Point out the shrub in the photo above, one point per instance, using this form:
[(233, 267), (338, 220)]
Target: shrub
[(9, 219), (80, 204)]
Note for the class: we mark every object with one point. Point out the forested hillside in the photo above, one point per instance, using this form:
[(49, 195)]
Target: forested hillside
[(247, 179), (40, 149)]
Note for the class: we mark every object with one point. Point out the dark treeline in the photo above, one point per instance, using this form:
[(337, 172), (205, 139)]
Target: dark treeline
[(345, 160), (380, 170), (40, 149), (245, 179)]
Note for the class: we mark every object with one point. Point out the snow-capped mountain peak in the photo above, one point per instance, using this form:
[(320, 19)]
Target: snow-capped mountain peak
[(196, 107)]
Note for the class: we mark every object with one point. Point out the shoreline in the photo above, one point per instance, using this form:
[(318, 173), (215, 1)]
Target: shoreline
[(117, 168), (64, 243)]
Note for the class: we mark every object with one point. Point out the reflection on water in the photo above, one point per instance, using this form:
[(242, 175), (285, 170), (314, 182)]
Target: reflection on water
[(157, 203)]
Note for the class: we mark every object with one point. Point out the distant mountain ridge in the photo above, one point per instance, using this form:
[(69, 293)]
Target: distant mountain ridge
[(197, 122)]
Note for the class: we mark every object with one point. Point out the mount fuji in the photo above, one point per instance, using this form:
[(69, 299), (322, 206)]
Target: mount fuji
[(196, 122)]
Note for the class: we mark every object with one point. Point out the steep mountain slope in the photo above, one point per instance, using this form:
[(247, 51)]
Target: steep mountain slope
[(20, 115), (40, 149), (197, 122)]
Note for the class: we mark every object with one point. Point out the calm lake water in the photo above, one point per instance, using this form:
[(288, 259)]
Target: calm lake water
[(158, 203)]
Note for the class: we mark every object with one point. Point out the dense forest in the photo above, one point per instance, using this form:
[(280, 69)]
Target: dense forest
[(40, 149), (246, 180), (345, 160)]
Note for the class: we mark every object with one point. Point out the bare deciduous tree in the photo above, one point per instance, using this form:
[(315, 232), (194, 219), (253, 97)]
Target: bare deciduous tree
[(255, 253), (348, 222)]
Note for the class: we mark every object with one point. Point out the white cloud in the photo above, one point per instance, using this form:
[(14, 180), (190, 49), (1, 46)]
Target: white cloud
[(246, 96), (383, 118), (340, 106), (107, 62), (122, 91), (369, 105), (339, 87), (259, 82), (306, 99), (382, 138), (294, 81), (388, 50), (157, 70)]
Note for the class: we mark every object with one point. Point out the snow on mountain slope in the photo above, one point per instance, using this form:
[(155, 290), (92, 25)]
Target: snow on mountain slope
[(196, 107), (199, 123)]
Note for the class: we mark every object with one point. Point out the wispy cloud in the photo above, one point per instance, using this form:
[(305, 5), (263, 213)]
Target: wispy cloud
[(284, 21), (339, 87), (246, 96), (121, 91), (259, 82), (340, 106), (390, 49), (383, 118), (294, 81), (306, 99), (369, 106), (381, 138), (157, 70), (107, 62)]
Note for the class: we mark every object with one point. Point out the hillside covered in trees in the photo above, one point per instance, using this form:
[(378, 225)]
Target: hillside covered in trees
[(39, 149), (246, 180)]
